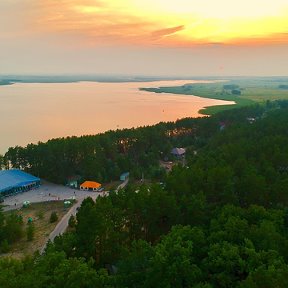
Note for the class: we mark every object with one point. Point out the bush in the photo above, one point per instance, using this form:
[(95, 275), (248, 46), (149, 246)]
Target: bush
[(53, 217), (72, 221), (13, 229), (30, 230), (4, 248)]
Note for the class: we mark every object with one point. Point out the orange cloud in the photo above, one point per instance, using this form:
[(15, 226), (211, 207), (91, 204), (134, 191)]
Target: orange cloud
[(138, 22), (95, 20), (167, 31)]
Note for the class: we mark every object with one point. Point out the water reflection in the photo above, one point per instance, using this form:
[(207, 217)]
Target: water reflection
[(38, 112)]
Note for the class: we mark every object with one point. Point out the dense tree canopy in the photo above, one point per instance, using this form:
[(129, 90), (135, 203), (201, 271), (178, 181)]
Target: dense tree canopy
[(220, 221), (105, 156)]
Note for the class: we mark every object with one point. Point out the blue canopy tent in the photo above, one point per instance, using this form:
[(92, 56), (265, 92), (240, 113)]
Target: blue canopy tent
[(16, 181)]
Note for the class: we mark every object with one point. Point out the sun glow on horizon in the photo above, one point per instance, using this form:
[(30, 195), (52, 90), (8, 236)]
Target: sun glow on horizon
[(87, 9), (216, 9)]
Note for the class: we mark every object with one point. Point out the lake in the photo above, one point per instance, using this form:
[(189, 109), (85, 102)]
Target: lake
[(40, 111)]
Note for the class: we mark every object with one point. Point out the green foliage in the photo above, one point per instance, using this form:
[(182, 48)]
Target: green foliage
[(220, 222), (53, 217), (4, 246), (52, 270), (244, 164), (174, 260), (1, 162), (72, 221), (105, 156), (65, 243), (123, 217), (30, 231), (13, 230), (135, 265), (40, 214), (230, 86), (242, 91)]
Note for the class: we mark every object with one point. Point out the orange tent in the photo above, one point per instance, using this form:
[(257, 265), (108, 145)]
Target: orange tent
[(87, 185)]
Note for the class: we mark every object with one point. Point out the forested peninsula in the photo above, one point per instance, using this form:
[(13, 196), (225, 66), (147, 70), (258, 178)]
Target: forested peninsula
[(218, 219)]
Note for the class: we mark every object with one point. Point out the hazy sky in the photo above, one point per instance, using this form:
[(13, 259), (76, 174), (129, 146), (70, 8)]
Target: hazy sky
[(148, 37)]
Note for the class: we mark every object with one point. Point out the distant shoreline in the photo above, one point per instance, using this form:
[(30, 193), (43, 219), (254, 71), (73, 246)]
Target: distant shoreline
[(12, 79)]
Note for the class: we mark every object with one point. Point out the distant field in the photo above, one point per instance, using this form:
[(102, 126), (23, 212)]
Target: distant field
[(244, 91)]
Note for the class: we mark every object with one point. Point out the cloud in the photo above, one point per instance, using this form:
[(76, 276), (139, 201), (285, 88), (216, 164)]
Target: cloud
[(166, 31), (99, 22), (114, 22)]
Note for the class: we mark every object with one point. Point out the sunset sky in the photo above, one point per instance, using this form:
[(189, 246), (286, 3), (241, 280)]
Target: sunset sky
[(151, 37)]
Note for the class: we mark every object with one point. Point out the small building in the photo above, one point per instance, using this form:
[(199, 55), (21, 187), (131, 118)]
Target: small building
[(73, 181), (16, 181), (124, 176), (178, 152), (90, 186)]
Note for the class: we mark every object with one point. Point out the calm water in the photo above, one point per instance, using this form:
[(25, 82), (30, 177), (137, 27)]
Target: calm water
[(37, 112)]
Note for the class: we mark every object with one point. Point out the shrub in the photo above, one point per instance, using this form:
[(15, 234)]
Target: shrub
[(30, 230), (72, 221), (13, 229), (53, 217), (4, 247)]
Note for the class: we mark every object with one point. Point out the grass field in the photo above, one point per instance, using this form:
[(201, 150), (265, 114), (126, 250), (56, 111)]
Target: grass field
[(40, 213), (252, 90)]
